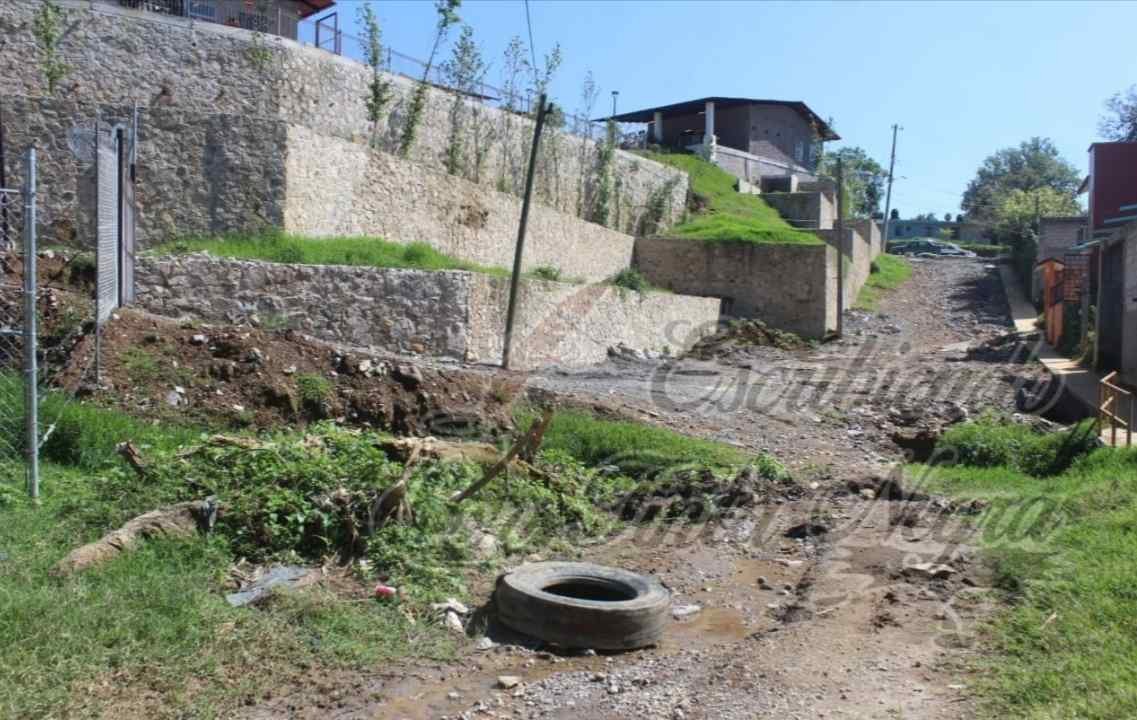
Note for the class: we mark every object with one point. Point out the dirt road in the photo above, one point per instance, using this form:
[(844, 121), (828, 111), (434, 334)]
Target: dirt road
[(860, 620)]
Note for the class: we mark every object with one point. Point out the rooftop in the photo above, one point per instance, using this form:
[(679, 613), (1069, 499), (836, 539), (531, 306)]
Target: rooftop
[(696, 106)]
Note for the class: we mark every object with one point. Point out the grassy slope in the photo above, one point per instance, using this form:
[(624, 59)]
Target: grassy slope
[(891, 272), (729, 215), (1068, 646), (366, 251)]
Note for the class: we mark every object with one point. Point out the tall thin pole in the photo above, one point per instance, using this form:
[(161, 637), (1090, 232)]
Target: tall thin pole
[(888, 195), (31, 373), (615, 94), (515, 278), (840, 246)]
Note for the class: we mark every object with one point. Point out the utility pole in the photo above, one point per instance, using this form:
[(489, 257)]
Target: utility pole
[(615, 94), (888, 195), (840, 246), (542, 111)]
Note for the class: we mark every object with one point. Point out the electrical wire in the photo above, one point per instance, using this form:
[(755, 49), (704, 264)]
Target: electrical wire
[(532, 47)]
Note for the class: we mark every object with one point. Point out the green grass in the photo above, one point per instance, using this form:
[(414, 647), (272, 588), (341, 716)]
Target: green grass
[(728, 214), (641, 450), (155, 621), (84, 436), (275, 246), (888, 273), (1067, 647)]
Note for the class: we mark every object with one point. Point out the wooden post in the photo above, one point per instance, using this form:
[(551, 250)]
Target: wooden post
[(542, 110)]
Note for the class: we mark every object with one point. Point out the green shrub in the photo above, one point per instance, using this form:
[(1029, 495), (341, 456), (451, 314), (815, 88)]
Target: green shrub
[(546, 272), (313, 389), (631, 279), (988, 442)]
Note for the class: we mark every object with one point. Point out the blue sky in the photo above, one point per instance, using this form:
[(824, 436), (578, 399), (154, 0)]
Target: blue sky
[(963, 79)]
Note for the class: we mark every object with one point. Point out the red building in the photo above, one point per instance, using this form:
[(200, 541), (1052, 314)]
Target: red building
[(1112, 184)]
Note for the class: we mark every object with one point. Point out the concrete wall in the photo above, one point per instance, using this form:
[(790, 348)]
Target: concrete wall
[(454, 314), (337, 187), (118, 57), (862, 245), (1127, 235), (807, 210), (1057, 234), (557, 323), (787, 286)]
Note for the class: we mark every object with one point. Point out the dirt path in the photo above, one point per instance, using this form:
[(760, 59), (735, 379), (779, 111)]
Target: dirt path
[(845, 624)]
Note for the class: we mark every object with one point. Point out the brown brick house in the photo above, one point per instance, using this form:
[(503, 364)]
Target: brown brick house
[(748, 137)]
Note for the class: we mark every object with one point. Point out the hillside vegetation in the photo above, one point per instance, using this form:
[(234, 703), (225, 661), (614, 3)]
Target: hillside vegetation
[(280, 247), (725, 214)]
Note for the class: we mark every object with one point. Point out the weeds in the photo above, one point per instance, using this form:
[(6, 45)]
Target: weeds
[(990, 442), (631, 279), (47, 28), (546, 272)]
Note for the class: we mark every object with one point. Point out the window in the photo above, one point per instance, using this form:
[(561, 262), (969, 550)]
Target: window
[(799, 151)]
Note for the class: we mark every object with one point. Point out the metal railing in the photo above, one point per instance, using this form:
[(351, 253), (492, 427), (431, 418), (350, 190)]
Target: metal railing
[(325, 33), (258, 16), (1115, 408)]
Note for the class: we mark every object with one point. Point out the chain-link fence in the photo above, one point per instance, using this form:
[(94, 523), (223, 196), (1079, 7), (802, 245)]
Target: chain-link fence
[(18, 372)]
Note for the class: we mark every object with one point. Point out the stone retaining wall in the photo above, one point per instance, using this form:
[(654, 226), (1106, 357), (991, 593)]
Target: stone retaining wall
[(337, 187), (787, 286), (454, 314), (170, 66)]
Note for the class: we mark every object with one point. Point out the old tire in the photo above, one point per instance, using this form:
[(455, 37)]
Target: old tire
[(582, 605)]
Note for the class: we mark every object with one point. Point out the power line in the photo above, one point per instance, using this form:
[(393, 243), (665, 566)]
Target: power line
[(532, 47)]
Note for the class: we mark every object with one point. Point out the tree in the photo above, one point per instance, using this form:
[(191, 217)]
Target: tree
[(464, 72), (894, 215), (947, 217), (447, 11), (1120, 122), (926, 217), (864, 179), (1033, 165), (379, 89)]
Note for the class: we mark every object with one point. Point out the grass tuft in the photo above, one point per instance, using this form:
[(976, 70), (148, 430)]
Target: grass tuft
[(888, 273)]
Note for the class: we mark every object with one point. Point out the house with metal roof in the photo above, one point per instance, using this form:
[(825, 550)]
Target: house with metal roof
[(751, 138)]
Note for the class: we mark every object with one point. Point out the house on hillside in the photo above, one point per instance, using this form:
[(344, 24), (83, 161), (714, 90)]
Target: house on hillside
[(773, 142), (959, 231), (274, 17)]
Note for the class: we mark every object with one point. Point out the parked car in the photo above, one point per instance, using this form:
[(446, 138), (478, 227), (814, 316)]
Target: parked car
[(926, 247)]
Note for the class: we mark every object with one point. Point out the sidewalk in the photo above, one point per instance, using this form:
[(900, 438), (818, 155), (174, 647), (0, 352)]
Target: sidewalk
[(1078, 382)]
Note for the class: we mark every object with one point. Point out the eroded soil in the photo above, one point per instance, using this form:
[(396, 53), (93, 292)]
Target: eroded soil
[(842, 624)]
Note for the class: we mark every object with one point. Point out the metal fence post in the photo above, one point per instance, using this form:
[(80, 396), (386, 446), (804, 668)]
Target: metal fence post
[(31, 374)]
